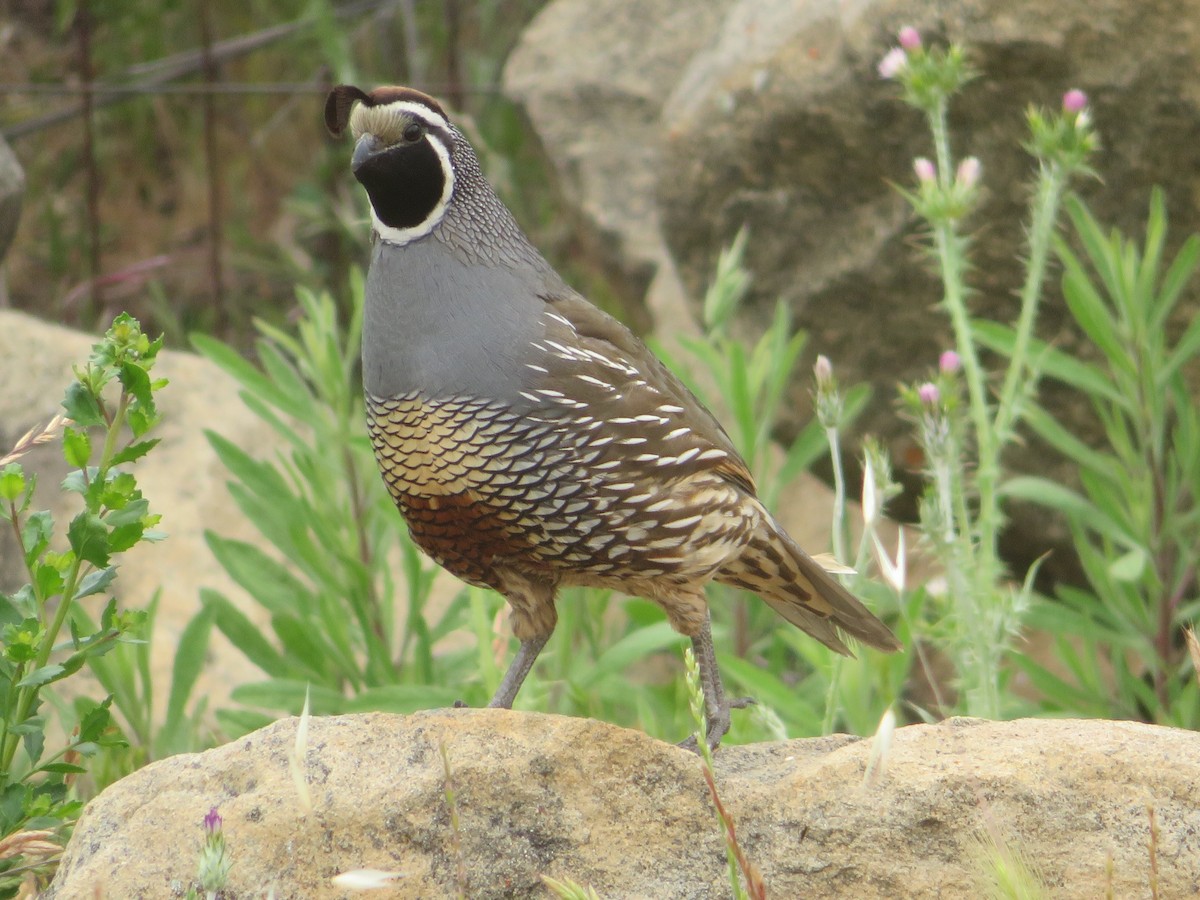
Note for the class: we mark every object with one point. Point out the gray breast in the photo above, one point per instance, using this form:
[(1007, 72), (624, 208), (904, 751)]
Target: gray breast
[(445, 326)]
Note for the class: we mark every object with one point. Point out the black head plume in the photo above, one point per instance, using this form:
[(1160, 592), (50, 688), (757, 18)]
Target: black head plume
[(338, 105)]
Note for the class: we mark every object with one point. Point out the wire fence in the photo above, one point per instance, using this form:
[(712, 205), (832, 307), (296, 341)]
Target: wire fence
[(80, 94)]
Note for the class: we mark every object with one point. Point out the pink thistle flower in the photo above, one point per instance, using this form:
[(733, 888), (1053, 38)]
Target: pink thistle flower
[(929, 393), (910, 38), (1074, 101), (949, 362), (925, 169)]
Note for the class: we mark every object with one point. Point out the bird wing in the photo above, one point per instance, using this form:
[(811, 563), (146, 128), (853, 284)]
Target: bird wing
[(596, 361)]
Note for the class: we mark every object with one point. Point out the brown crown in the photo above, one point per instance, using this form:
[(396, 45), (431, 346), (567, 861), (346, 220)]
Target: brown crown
[(342, 98)]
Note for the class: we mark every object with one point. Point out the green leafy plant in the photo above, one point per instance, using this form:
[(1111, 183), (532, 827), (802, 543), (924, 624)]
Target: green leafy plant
[(44, 633), (1136, 521), (328, 587)]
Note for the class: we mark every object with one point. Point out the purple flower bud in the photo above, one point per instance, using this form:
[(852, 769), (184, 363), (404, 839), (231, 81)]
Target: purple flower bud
[(925, 169), (968, 172), (823, 370), (1074, 101), (212, 821), (949, 362), (910, 38), (929, 393), (893, 63)]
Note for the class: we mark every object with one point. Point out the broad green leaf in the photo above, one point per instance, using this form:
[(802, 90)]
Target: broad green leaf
[(1091, 314), (270, 582), (35, 535), (1049, 361), (88, 538), (190, 659), (628, 650), (244, 634), (1052, 431), (49, 580), (12, 482), (77, 447), (288, 695), (81, 406), (136, 380), (300, 645), (766, 688), (1182, 268), (44, 675), (95, 582), (134, 452), (1048, 493)]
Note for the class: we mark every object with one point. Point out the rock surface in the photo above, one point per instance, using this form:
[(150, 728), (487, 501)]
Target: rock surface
[(182, 478), (12, 192), (770, 114), (574, 798)]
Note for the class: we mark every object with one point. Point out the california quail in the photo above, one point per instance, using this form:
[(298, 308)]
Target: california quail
[(529, 439)]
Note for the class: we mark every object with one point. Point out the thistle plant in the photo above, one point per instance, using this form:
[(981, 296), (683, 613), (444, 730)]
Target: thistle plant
[(961, 513), (212, 873)]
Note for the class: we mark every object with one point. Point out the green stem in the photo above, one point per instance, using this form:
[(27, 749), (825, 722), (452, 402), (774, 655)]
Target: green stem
[(949, 252), (978, 537), (941, 142), (1050, 185)]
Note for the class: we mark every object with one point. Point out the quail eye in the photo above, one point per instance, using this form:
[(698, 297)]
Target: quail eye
[(412, 132)]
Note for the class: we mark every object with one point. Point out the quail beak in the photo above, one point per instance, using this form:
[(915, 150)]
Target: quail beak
[(368, 145)]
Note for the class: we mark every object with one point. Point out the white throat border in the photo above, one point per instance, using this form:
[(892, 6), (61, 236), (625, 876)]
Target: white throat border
[(390, 234)]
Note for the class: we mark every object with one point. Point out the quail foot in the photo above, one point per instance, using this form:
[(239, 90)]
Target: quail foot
[(530, 440)]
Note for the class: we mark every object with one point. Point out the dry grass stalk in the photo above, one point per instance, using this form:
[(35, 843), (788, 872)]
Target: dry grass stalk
[(33, 437)]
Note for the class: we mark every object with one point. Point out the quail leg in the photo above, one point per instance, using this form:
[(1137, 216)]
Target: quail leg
[(517, 670), (716, 706)]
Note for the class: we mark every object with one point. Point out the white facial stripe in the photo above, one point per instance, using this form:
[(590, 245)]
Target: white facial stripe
[(418, 111), (383, 118), (390, 234)]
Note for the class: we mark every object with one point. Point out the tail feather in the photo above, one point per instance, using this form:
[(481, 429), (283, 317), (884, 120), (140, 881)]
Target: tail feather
[(798, 588)]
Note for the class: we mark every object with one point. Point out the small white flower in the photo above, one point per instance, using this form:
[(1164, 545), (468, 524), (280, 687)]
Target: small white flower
[(894, 574), (893, 63), (870, 499), (968, 172)]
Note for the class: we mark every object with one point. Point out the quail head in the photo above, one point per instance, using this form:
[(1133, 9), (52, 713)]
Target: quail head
[(530, 440)]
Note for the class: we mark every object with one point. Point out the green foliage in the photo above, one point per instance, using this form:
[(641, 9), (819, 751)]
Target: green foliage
[(46, 633), (328, 587), (1136, 524)]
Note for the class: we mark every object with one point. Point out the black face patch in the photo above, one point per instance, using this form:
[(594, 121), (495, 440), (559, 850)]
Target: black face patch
[(405, 183)]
